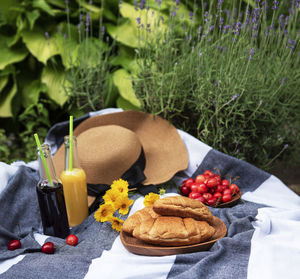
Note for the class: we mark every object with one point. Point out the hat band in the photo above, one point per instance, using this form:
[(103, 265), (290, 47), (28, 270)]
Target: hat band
[(134, 176)]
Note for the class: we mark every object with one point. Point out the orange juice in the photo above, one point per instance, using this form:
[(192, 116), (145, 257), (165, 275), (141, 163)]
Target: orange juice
[(75, 192)]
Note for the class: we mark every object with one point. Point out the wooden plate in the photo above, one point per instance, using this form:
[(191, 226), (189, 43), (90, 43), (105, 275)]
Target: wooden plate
[(234, 201), (139, 247)]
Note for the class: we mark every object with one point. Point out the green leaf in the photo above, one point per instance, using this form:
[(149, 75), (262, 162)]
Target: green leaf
[(125, 33), (58, 3), (123, 82), (39, 46), (125, 105), (32, 17), (31, 92), (3, 82), (7, 12), (6, 101), (42, 5), (96, 12), (10, 55), (53, 79)]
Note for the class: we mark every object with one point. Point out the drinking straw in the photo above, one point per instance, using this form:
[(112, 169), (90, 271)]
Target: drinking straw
[(71, 143), (43, 158)]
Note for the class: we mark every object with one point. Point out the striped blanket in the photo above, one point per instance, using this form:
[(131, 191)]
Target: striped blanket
[(262, 241)]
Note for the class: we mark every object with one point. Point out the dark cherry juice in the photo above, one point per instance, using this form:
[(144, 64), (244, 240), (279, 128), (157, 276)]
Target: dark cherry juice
[(53, 210)]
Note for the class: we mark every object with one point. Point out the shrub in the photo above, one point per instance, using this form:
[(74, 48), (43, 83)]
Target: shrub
[(228, 77)]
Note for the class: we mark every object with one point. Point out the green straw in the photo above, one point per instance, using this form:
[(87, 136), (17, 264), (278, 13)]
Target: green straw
[(43, 158), (71, 143)]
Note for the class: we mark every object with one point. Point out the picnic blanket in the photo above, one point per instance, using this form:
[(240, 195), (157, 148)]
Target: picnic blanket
[(262, 241)]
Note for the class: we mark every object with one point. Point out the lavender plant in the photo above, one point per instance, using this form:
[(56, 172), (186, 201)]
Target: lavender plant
[(230, 77)]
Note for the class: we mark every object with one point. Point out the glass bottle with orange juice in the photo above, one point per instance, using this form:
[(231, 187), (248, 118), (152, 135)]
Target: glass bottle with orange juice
[(74, 185)]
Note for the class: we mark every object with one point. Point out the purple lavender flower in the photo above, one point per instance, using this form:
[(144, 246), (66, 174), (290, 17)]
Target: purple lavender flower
[(148, 27), (219, 5), (138, 20), (191, 15), (135, 5), (251, 53), (102, 30), (162, 19), (283, 80), (142, 4), (90, 2), (297, 4), (177, 2), (221, 21), (275, 5), (285, 146), (120, 2), (255, 15), (206, 17), (234, 97), (200, 29), (47, 35), (291, 44), (211, 28), (65, 36), (226, 27), (87, 20), (281, 21)]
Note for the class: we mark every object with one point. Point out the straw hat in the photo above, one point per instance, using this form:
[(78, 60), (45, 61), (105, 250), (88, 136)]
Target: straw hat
[(110, 144)]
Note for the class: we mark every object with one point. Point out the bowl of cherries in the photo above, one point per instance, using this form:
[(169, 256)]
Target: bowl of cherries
[(211, 189)]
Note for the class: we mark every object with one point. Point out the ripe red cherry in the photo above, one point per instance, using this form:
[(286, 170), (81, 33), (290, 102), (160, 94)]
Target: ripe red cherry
[(48, 248), (185, 190), (200, 179), (212, 201), (194, 187), (212, 182), (225, 182), (207, 196), (227, 192), (234, 188), (72, 240), (219, 189), (202, 188), (201, 199), (189, 182), (218, 178), (208, 173), (194, 195), (14, 244), (217, 195), (226, 198)]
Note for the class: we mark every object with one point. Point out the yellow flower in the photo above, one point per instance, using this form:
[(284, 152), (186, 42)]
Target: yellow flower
[(104, 213), (121, 186), (122, 203), (116, 223), (150, 199), (111, 196)]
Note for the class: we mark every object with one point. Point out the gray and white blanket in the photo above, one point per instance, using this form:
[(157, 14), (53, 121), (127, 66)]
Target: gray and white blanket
[(263, 238)]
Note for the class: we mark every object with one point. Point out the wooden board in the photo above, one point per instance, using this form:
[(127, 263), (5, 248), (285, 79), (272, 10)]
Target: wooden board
[(139, 247)]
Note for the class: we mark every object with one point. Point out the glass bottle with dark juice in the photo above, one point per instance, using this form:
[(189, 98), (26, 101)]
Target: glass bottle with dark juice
[(51, 199)]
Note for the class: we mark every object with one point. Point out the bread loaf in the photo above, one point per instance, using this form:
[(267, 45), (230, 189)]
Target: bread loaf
[(173, 231), (139, 217), (183, 207)]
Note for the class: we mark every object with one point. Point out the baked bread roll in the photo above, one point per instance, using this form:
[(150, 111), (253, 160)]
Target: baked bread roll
[(173, 231), (138, 217), (183, 207)]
